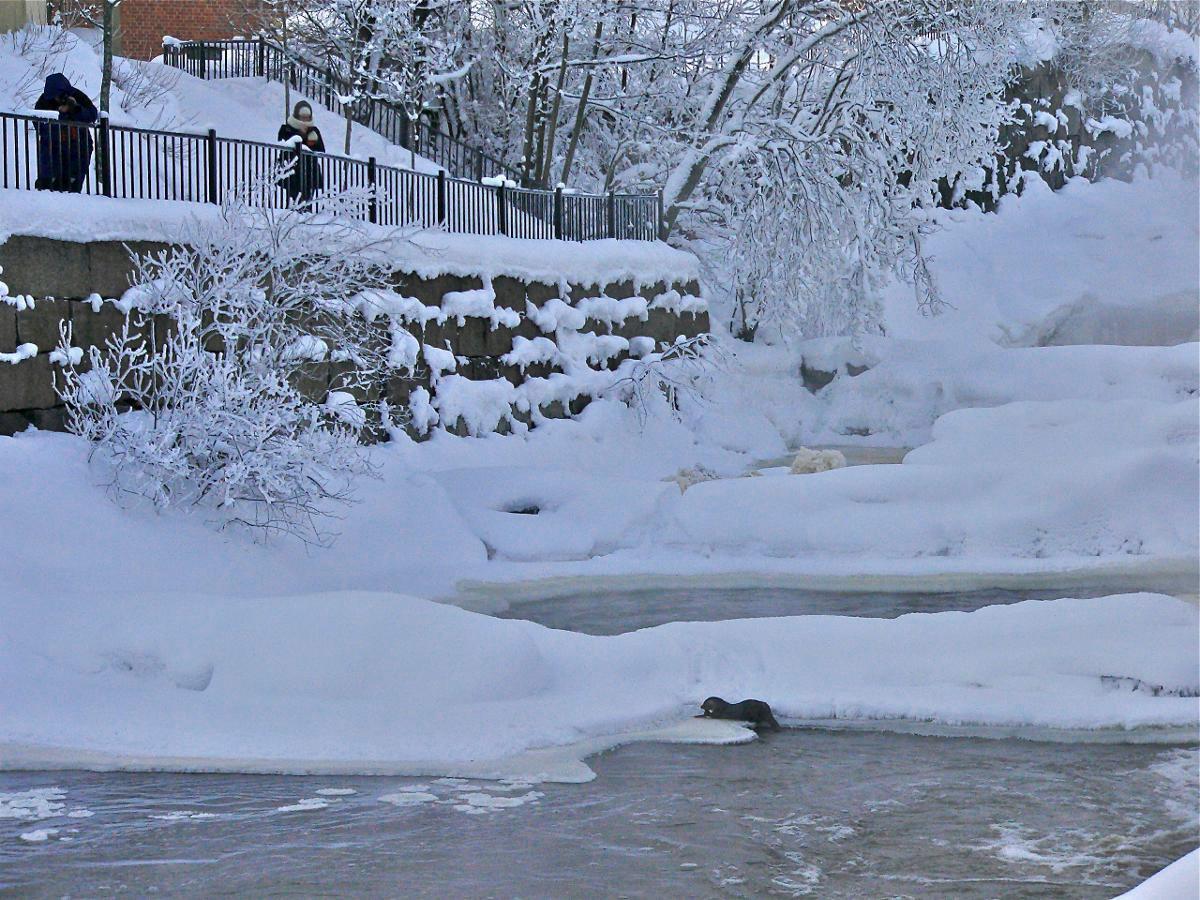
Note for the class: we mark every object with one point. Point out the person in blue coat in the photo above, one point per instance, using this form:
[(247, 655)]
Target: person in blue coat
[(64, 147)]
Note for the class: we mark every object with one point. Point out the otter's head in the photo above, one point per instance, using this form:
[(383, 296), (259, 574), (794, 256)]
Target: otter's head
[(713, 705)]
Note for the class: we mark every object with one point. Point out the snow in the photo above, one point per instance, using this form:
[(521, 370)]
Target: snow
[(427, 254), (1091, 249), (286, 696), (1004, 480), (1054, 415), (1178, 881)]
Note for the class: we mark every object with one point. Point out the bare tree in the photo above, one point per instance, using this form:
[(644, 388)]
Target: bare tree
[(101, 15)]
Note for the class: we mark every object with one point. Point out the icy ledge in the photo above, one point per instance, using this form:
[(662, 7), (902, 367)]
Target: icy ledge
[(379, 683), (1176, 882)]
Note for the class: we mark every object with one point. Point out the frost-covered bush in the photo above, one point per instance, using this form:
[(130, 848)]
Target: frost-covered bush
[(667, 380), (199, 400)]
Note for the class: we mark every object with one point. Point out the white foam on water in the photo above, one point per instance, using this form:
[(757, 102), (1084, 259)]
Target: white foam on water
[(38, 836), (180, 815), (336, 792), (309, 803), (409, 797), (483, 802), (1179, 774), (33, 804)]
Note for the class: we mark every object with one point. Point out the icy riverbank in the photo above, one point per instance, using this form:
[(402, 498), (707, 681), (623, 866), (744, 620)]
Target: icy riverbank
[(375, 684)]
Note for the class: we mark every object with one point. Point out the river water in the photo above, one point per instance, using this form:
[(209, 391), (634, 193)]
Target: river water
[(805, 812)]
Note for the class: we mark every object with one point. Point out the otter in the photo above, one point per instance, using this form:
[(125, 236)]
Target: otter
[(756, 712)]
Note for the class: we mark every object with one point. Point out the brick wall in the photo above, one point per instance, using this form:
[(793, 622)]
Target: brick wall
[(145, 22)]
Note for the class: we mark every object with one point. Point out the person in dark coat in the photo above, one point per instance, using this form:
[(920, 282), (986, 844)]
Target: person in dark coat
[(304, 179), (64, 147)]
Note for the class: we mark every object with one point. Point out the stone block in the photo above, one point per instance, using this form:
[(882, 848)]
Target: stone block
[(92, 329), (28, 384), (53, 419), (43, 267), (110, 269), (510, 292), (583, 291), (399, 388), (312, 381), (693, 325), (12, 423), (40, 324), (619, 289), (554, 410), (8, 328), (660, 324), (650, 291), (498, 341), (483, 368), (431, 290), (538, 293), (472, 337), (815, 379), (341, 378)]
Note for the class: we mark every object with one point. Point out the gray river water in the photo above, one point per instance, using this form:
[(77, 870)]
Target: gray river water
[(809, 811)]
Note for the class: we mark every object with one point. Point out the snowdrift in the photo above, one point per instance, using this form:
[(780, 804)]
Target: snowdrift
[(378, 683), (1024, 480)]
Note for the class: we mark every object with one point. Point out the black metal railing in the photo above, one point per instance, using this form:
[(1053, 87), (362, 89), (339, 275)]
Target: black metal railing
[(264, 59), (39, 152)]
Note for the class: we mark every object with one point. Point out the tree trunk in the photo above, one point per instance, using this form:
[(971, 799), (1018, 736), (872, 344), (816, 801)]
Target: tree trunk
[(106, 66), (581, 112), (552, 122)]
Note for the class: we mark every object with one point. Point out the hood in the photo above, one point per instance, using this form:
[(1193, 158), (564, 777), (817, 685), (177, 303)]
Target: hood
[(57, 85)]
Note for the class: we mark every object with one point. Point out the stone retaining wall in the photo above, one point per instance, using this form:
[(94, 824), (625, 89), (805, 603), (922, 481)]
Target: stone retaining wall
[(1055, 138), (66, 281)]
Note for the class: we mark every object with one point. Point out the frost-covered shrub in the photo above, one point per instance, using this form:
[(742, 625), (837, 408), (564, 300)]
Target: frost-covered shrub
[(199, 400)]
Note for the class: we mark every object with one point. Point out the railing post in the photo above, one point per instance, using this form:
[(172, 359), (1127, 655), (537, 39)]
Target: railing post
[(372, 203), (501, 209), (262, 56), (404, 135), (104, 157), (478, 165), (441, 197), (558, 213), (203, 60), (211, 147), (611, 214)]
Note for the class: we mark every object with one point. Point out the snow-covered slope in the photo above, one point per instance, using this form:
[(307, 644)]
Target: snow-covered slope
[(1105, 262), (151, 95)]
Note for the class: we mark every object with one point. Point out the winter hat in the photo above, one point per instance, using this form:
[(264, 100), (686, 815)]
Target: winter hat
[(56, 85)]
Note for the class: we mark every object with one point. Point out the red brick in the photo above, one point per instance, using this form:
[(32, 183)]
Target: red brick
[(144, 23)]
